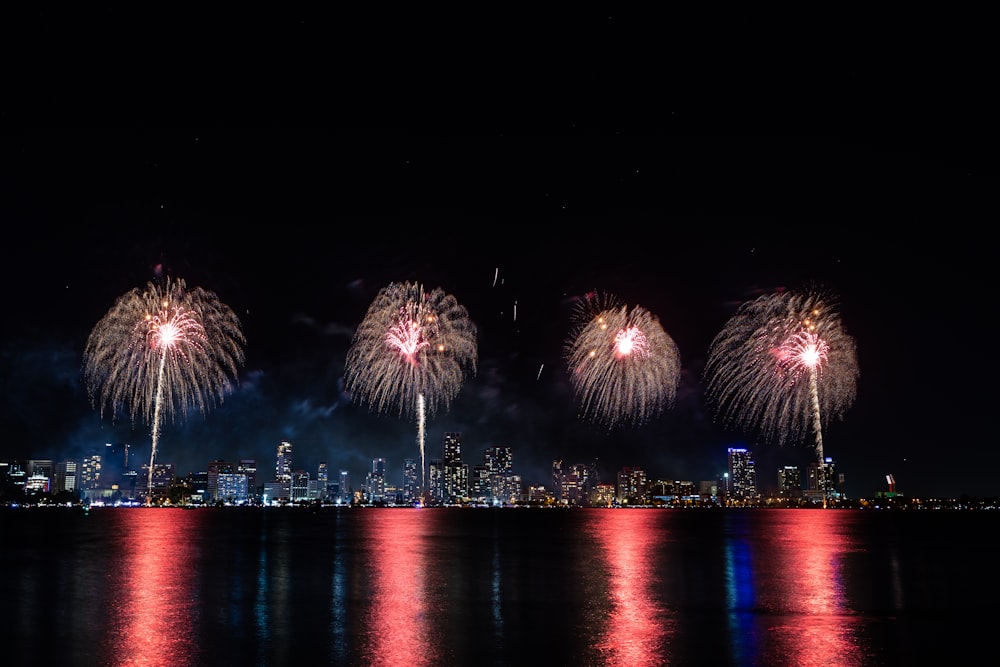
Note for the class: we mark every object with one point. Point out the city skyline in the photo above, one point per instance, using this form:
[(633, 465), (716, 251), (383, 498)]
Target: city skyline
[(520, 229), (452, 452)]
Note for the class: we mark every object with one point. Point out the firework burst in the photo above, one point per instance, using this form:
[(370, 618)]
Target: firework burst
[(411, 353), (623, 366), (783, 365), (160, 352)]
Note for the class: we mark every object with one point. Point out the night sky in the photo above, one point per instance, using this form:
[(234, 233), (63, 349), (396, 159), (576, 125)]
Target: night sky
[(297, 229)]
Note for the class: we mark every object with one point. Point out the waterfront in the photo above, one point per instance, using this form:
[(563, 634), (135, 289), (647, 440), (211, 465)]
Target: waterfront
[(457, 586)]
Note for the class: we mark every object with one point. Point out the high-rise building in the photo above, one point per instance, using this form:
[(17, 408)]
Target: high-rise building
[(215, 490), (499, 462), (65, 479), (742, 476), (90, 472), (557, 479), (435, 480), (283, 466), (322, 481), (300, 486), (632, 485), (375, 484), (411, 481), (232, 488), (344, 488), (248, 467), (479, 482), (163, 478), (456, 483), (578, 483), (821, 480), (789, 482)]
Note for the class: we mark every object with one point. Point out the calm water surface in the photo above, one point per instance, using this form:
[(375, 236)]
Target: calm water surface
[(138, 586)]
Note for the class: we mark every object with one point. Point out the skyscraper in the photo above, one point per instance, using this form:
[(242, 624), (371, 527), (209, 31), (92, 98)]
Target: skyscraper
[(820, 481), (789, 482), (375, 486), (411, 490), (322, 481), (232, 490), (632, 485), (742, 475), (455, 473), (344, 487), (65, 479), (90, 472), (283, 463), (499, 462), (281, 488)]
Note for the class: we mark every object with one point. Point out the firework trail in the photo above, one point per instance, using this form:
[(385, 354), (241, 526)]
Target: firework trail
[(411, 354), (623, 366), (161, 351), (781, 366)]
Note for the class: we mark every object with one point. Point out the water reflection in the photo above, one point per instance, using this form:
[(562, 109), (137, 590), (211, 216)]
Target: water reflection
[(143, 586), (740, 591), (398, 618), (798, 563), (638, 625), (155, 614)]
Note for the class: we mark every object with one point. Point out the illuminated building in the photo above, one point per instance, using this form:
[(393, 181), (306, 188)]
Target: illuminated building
[(411, 481), (742, 477), (246, 468), (632, 486), (789, 482), (456, 485), (283, 467), (499, 463)]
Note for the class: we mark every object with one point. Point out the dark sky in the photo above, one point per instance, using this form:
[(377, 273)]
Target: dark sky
[(297, 229)]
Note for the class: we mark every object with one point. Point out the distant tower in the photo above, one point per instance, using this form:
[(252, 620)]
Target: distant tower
[(283, 466), (499, 463), (743, 476), (376, 481), (789, 482), (821, 481), (90, 472), (345, 487), (455, 475), (65, 479), (632, 485), (411, 490), (322, 480), (557, 479)]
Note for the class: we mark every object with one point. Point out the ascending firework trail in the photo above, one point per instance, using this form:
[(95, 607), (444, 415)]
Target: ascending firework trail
[(411, 353), (161, 351), (782, 365)]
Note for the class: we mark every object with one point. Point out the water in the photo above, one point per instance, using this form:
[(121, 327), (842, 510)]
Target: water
[(449, 586)]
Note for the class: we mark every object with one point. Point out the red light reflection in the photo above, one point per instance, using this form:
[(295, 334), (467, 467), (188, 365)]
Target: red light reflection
[(154, 618), (636, 628), (398, 619), (804, 591)]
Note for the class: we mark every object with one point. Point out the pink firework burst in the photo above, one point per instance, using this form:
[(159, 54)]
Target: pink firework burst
[(803, 351)]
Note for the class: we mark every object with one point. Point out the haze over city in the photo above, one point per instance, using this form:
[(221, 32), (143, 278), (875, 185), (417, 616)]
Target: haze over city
[(298, 230)]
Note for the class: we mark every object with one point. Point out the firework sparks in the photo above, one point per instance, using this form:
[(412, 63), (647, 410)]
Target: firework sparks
[(623, 366), (411, 353), (783, 365), (162, 351)]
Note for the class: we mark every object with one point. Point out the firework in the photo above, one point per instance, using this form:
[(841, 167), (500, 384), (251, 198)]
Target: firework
[(411, 353), (783, 365), (623, 366), (160, 352)]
